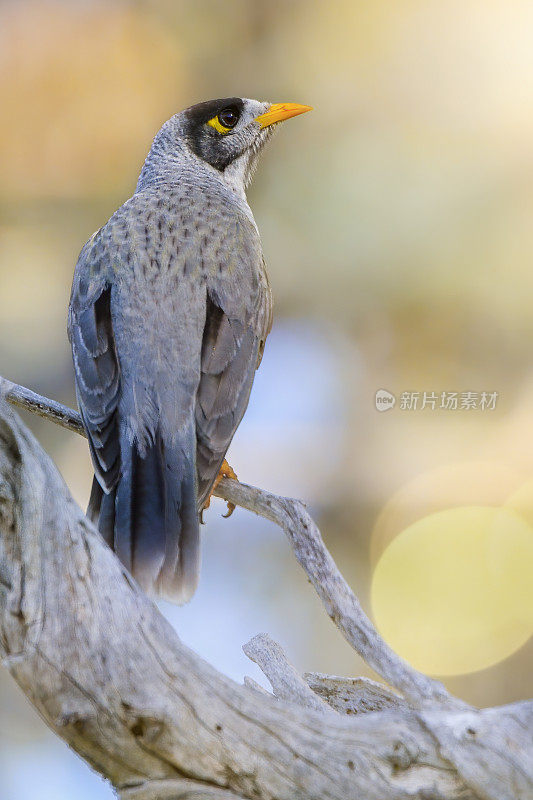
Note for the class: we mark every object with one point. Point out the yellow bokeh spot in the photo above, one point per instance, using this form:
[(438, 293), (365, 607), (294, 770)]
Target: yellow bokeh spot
[(479, 483), (521, 501), (452, 593)]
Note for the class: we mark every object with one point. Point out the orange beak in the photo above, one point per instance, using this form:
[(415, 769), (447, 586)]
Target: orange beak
[(280, 111)]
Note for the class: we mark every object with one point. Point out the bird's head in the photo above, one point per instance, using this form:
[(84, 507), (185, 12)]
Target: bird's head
[(227, 134)]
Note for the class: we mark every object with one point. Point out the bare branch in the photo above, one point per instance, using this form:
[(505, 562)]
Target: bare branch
[(255, 687), (337, 597), (180, 789), (353, 695), (49, 409), (303, 534), (285, 680), (110, 677)]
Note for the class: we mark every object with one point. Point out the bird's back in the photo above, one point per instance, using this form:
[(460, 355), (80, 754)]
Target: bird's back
[(171, 297)]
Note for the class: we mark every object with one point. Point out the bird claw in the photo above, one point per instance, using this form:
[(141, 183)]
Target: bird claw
[(225, 471)]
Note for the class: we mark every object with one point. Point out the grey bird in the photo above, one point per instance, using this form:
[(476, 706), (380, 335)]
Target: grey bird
[(168, 317)]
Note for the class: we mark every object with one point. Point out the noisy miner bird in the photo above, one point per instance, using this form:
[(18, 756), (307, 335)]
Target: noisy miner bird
[(168, 317)]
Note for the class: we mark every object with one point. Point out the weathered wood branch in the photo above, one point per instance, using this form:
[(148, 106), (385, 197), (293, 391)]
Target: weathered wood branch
[(353, 695), (292, 516), (111, 677), (286, 683), (24, 398)]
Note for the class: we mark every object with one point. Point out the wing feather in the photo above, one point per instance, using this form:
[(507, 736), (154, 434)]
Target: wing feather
[(229, 360), (96, 366)]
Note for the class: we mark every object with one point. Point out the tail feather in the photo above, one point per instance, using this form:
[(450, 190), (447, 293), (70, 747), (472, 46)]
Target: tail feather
[(95, 501), (179, 575), (101, 511), (106, 518), (148, 518), (151, 520), (124, 532)]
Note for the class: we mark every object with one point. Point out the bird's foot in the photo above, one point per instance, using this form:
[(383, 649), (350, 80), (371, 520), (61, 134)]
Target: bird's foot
[(225, 471)]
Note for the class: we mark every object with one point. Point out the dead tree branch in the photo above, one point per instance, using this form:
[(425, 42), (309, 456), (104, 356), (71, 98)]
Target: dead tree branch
[(110, 676), (303, 534)]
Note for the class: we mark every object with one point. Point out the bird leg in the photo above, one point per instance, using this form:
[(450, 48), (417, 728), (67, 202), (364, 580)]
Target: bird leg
[(225, 471)]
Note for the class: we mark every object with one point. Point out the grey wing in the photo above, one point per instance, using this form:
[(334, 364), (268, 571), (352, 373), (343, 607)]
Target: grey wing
[(96, 365), (229, 358), (232, 349)]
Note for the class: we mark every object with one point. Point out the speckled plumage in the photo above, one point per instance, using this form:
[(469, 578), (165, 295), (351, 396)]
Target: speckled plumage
[(169, 312)]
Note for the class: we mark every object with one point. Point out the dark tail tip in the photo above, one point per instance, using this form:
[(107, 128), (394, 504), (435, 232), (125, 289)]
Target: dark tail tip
[(151, 520)]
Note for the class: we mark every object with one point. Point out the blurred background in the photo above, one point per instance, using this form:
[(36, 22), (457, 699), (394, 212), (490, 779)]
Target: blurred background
[(396, 223)]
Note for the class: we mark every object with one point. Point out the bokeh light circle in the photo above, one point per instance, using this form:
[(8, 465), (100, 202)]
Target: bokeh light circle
[(452, 593), (468, 483)]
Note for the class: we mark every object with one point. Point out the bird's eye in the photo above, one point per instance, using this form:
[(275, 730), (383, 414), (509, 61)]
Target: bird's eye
[(228, 117), (225, 120)]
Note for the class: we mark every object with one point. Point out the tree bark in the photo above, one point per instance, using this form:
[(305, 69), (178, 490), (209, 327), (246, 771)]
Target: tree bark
[(111, 677)]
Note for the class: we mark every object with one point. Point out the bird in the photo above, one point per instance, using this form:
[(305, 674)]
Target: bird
[(169, 313)]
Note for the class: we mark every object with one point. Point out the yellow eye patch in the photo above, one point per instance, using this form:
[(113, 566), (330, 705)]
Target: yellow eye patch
[(218, 126), (225, 120)]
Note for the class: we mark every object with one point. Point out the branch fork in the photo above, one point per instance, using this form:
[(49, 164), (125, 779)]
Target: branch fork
[(110, 676)]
